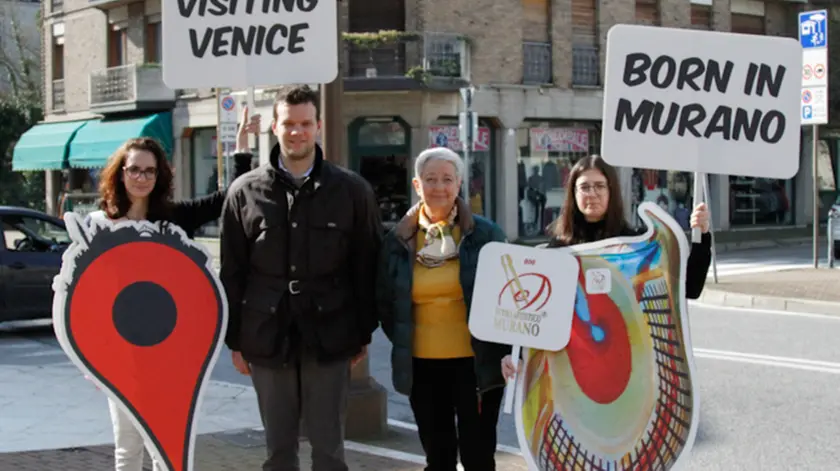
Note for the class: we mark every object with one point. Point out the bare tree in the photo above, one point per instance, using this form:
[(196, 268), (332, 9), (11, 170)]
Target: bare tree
[(19, 53)]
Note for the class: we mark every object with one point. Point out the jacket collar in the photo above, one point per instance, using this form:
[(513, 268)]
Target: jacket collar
[(318, 167), (406, 229)]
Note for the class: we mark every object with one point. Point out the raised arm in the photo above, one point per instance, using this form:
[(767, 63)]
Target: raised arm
[(193, 213)]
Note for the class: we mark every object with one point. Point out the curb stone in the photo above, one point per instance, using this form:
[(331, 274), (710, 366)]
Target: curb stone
[(772, 303)]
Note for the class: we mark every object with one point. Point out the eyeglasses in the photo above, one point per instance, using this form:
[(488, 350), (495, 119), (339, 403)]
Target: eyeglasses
[(134, 172), (587, 188)]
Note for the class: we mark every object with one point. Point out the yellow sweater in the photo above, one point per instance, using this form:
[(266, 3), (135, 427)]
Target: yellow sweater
[(440, 315)]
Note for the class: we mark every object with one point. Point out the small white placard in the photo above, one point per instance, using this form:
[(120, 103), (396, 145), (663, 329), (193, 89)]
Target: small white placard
[(598, 281), (702, 101), (245, 44), (524, 296)]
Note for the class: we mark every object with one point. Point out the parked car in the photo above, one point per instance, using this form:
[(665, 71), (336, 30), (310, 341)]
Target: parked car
[(31, 245)]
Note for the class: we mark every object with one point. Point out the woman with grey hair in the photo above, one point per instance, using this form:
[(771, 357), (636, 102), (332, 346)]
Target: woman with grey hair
[(427, 268)]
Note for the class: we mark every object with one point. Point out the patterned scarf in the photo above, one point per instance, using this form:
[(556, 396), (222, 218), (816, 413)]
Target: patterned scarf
[(439, 245)]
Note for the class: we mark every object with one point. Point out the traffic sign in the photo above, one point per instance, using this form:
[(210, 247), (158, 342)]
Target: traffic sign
[(813, 37), (819, 71), (813, 29)]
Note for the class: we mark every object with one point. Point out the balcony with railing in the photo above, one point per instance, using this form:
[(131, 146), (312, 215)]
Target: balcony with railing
[(586, 65), (129, 87), (391, 60), (58, 95), (536, 59)]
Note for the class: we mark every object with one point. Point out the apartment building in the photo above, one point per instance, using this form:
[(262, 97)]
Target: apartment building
[(20, 40), (537, 66)]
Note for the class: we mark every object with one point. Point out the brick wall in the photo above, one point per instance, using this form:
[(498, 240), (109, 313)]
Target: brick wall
[(495, 28)]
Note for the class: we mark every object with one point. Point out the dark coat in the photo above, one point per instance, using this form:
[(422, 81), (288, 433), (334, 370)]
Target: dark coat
[(394, 301), (297, 263)]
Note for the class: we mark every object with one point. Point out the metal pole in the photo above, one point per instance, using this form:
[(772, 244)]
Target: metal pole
[(830, 235), (706, 198), (468, 145), (220, 164), (816, 196), (332, 125)]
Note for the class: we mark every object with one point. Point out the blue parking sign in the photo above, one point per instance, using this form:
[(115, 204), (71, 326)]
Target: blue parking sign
[(813, 29), (807, 112)]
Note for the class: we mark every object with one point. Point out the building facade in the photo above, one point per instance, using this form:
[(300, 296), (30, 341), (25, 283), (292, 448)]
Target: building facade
[(537, 66), (20, 41)]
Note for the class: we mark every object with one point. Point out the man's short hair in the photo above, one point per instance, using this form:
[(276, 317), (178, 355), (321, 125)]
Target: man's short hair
[(297, 95)]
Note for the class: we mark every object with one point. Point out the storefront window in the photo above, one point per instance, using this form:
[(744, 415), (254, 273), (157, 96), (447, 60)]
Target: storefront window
[(760, 201), (204, 171), (672, 191), (379, 148), (827, 175), (481, 170), (546, 156)]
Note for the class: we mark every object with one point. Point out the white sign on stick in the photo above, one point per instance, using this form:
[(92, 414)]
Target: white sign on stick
[(243, 44), (527, 296), (702, 101)]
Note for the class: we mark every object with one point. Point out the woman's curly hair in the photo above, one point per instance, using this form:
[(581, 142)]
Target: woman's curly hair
[(114, 198)]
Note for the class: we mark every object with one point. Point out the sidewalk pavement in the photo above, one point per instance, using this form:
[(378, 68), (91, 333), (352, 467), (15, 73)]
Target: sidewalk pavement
[(52, 418), (808, 290), (244, 450)]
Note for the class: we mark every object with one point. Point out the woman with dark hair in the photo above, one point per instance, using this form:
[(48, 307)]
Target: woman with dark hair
[(136, 184), (593, 214)]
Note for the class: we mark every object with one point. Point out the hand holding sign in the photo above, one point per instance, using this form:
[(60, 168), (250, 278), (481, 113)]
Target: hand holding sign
[(139, 309), (529, 299)]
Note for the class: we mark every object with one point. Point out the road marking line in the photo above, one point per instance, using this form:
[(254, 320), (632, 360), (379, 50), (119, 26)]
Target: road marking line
[(768, 360), (413, 427), (750, 310), (385, 452)]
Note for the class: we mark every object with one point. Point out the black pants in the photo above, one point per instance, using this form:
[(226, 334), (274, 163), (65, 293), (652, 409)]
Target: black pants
[(443, 390)]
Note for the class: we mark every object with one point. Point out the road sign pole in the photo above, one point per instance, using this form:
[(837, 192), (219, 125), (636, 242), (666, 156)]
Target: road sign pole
[(813, 37), (467, 95), (815, 134), (220, 166)]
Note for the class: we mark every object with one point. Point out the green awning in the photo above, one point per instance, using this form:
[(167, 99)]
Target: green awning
[(95, 143), (45, 146)]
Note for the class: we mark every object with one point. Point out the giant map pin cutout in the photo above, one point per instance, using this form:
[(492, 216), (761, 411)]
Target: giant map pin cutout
[(139, 309)]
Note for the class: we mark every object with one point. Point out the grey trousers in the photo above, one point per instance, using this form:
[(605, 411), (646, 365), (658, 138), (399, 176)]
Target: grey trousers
[(313, 391)]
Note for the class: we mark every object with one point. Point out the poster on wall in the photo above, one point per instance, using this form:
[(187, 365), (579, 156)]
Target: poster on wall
[(447, 136), (559, 140)]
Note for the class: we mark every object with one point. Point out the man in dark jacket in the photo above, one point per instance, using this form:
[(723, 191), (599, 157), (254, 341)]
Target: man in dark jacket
[(299, 241)]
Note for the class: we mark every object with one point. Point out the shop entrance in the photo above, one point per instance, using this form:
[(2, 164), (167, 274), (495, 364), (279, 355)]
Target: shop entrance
[(380, 150)]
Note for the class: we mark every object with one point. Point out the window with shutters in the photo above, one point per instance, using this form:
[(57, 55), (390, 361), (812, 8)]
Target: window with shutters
[(647, 12), (701, 16), (748, 24), (536, 42), (586, 63), (372, 16)]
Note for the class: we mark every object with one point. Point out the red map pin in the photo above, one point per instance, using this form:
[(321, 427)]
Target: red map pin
[(139, 309)]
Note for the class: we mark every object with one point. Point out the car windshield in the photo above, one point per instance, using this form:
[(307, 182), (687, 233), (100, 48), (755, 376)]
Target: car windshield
[(37, 229)]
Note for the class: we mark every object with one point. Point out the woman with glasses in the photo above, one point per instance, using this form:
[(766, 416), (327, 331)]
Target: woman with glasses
[(136, 184), (593, 211)]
